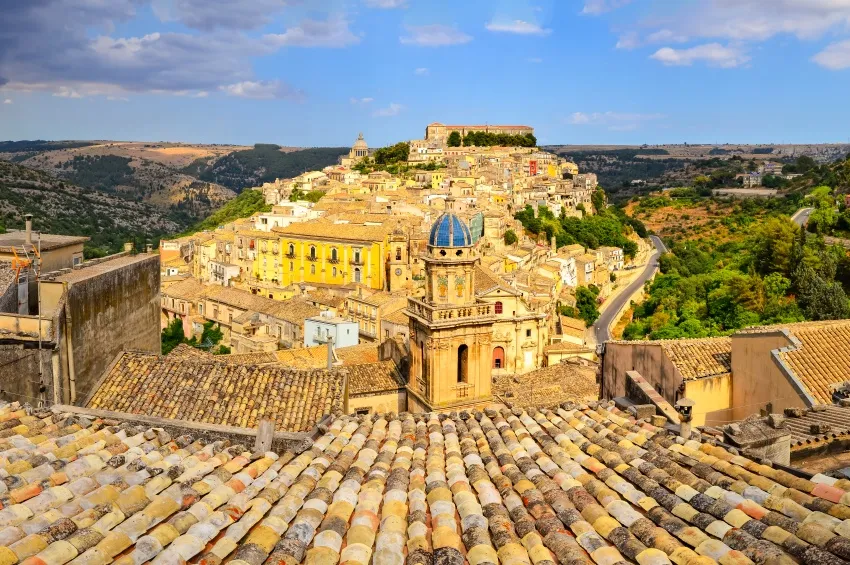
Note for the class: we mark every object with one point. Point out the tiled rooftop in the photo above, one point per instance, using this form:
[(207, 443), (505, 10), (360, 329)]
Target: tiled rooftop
[(823, 359), (573, 485), (548, 386), (373, 378), (698, 358), (218, 393)]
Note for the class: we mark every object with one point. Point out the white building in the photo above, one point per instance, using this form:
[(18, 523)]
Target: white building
[(319, 328), (613, 257), (285, 214), (219, 272), (569, 277)]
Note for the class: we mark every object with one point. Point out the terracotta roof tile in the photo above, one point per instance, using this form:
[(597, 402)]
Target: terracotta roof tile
[(698, 358), (218, 393), (576, 484)]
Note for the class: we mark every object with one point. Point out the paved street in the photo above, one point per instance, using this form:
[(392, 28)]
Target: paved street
[(601, 329), (801, 216)]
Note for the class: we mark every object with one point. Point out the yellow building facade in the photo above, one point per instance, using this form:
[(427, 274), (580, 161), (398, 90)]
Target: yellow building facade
[(324, 253)]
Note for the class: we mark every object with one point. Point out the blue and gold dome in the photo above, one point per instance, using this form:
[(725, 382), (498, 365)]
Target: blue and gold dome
[(449, 231)]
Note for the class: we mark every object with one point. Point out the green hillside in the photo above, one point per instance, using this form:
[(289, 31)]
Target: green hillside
[(263, 163)]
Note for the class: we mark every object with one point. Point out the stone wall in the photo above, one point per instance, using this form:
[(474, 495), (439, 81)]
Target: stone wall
[(8, 289), (110, 312), (19, 372)]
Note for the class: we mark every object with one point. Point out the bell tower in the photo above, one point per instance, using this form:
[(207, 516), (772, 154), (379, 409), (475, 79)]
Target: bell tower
[(399, 260), (450, 330)]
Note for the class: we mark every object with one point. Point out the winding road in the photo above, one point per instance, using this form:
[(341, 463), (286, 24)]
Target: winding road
[(602, 327), (601, 330), (801, 216)]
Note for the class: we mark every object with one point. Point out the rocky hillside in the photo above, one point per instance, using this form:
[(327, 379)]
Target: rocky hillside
[(64, 208)]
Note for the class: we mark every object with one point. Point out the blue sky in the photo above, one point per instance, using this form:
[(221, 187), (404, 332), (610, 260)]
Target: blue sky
[(315, 72)]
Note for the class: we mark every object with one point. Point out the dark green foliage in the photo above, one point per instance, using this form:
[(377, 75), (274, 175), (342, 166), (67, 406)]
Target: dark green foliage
[(311, 196), (222, 350), (172, 336), (587, 304), (243, 206), (488, 139), (38, 145), (718, 151), (772, 181), (762, 150), (454, 139), (210, 337), (609, 227), (101, 172), (392, 154), (510, 237), (264, 163)]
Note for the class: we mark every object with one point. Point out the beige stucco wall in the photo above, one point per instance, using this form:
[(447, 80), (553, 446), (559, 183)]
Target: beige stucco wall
[(380, 403), (712, 398), (757, 379)]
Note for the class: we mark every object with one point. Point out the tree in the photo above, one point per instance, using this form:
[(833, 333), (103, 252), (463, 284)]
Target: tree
[(586, 304), (771, 246), (454, 139), (510, 237), (172, 335), (598, 200)]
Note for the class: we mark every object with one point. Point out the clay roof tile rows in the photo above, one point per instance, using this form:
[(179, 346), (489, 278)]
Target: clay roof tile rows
[(218, 393), (577, 483), (698, 358)]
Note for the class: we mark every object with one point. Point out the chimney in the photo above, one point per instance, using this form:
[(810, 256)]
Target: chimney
[(148, 247), (128, 247), (28, 220)]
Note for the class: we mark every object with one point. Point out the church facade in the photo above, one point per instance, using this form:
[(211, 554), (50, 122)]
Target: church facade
[(467, 327)]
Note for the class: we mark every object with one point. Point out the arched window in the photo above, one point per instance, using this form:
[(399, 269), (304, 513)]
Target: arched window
[(312, 269), (462, 363), (498, 307), (312, 252), (356, 274), (334, 271), (291, 249), (499, 358), (333, 254), (398, 253)]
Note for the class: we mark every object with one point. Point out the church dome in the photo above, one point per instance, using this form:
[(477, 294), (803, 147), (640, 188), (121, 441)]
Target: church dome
[(360, 143), (449, 231)]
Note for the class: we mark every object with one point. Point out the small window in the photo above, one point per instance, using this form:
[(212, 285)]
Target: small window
[(527, 333), (312, 269), (398, 253), (498, 307), (291, 266), (312, 252), (291, 249), (334, 271), (362, 411)]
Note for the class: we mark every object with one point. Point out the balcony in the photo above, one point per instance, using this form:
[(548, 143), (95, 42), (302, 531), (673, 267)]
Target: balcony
[(333, 261), (356, 262), (275, 250), (447, 315), (312, 258), (290, 255)]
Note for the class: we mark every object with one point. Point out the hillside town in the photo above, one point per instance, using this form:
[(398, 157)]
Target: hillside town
[(387, 366)]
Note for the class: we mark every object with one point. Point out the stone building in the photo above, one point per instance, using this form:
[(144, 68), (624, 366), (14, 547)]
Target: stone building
[(437, 132), (450, 330), (358, 151)]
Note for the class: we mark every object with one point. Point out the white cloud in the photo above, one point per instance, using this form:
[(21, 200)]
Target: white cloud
[(392, 110), (601, 6), (117, 98), (67, 92), (613, 121), (519, 27), (261, 90), (835, 57), (7, 101), (712, 54), (366, 100), (386, 4), (333, 32), (421, 71), (434, 35)]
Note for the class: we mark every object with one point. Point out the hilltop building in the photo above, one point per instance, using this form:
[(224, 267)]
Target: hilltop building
[(358, 151), (437, 132)]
